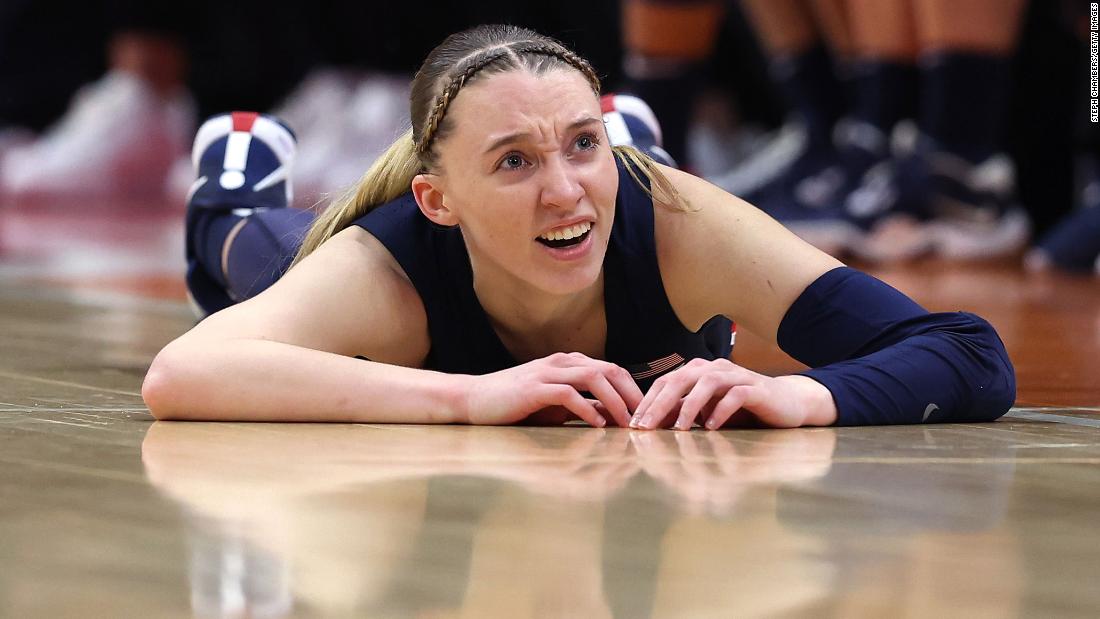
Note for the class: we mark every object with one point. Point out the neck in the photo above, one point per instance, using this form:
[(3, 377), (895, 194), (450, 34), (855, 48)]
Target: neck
[(532, 323)]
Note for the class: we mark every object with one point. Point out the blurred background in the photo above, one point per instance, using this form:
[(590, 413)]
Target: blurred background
[(880, 130)]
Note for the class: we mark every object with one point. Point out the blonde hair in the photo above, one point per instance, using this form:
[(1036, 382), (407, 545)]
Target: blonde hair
[(455, 62)]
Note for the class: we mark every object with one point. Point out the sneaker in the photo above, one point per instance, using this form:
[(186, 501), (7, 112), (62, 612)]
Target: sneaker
[(317, 109), (375, 115), (932, 201), (243, 163), (813, 207), (631, 122), (754, 177), (118, 139), (1073, 244)]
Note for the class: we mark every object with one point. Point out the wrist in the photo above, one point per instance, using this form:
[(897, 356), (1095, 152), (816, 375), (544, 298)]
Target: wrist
[(455, 395), (815, 400)]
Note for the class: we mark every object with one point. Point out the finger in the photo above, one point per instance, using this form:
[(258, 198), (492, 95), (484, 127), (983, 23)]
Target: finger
[(611, 399), (625, 385), (590, 378), (647, 401), (567, 396), (707, 388), (729, 404), (663, 405)]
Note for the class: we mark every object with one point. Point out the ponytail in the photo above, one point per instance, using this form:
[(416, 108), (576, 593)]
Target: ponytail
[(389, 177)]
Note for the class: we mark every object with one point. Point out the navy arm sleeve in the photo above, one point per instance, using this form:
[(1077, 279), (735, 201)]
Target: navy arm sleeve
[(886, 360)]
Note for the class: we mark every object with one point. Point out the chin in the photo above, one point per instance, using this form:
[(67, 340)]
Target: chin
[(569, 279)]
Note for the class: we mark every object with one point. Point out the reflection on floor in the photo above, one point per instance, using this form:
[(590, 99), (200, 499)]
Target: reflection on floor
[(104, 513)]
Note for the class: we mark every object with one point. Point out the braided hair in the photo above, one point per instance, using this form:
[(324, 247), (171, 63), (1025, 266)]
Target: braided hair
[(506, 47), (449, 67)]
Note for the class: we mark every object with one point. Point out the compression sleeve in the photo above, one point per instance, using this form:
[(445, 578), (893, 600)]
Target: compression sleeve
[(886, 360)]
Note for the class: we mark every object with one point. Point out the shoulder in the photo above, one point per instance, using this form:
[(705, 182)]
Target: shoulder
[(726, 257)]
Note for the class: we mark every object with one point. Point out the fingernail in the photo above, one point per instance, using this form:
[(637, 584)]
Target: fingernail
[(711, 423), (601, 422)]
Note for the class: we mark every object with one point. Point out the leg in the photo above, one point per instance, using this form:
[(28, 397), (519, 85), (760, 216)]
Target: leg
[(965, 50), (801, 66), (884, 53), (241, 236), (666, 42)]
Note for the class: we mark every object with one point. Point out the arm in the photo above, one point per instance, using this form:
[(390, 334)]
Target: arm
[(884, 358), (286, 355)]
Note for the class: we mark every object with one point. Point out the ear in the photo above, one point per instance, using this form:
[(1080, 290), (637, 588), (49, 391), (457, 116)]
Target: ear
[(428, 191)]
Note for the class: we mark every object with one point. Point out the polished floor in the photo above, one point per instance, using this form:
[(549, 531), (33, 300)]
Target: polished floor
[(104, 513)]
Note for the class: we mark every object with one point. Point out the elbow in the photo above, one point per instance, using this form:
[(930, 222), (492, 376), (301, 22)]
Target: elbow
[(162, 390), (997, 393)]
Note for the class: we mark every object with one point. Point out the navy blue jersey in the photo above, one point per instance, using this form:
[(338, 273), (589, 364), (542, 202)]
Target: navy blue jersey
[(643, 333)]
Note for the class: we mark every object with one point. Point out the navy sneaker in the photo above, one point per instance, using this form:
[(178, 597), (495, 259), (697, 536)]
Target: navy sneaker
[(1073, 244), (813, 207), (927, 200), (242, 162), (631, 122)]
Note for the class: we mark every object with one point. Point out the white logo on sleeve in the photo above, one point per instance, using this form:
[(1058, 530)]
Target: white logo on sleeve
[(928, 411)]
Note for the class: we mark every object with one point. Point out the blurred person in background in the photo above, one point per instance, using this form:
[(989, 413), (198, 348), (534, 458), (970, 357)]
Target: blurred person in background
[(1073, 244), (858, 179), (122, 131), (337, 71), (871, 184)]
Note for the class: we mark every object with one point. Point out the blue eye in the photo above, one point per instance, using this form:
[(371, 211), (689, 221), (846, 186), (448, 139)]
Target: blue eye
[(513, 161), (587, 142)]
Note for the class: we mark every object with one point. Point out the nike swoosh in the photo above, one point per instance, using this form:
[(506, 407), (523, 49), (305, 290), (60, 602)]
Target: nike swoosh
[(928, 411)]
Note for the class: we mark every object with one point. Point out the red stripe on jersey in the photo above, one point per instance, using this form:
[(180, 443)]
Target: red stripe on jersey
[(607, 104), (242, 121)]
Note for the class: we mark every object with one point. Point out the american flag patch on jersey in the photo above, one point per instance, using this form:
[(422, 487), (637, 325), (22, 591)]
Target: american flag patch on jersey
[(660, 366)]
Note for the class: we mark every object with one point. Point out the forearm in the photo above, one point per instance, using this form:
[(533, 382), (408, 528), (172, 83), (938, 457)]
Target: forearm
[(887, 360), (938, 376), (259, 380)]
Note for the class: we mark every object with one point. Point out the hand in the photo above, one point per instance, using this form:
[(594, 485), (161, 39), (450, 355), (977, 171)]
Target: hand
[(512, 395), (721, 391)]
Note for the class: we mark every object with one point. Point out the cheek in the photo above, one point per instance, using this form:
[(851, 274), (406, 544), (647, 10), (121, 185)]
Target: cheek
[(500, 225), (604, 185)]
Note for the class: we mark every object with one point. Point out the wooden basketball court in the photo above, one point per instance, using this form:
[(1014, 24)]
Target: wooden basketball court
[(104, 513)]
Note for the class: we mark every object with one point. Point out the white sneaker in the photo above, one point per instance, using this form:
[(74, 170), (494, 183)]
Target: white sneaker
[(117, 140), (772, 159), (376, 115), (315, 109)]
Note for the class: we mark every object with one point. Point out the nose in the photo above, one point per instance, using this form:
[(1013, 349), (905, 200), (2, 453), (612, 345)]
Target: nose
[(561, 185)]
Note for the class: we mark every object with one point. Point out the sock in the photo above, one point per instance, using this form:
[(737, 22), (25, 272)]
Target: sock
[(669, 88), (809, 83), (963, 102), (209, 234), (263, 250), (884, 92)]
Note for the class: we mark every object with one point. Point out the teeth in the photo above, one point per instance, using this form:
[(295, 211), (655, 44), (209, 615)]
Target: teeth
[(567, 233)]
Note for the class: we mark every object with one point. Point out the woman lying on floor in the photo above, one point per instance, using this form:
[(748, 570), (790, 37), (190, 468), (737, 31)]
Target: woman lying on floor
[(514, 258)]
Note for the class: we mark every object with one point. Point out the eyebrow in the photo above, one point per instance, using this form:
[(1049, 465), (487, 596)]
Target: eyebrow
[(515, 137)]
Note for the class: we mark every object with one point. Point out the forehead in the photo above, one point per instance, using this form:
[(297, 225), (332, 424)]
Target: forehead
[(520, 100)]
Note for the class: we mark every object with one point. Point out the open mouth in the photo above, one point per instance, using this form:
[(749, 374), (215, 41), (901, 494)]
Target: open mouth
[(568, 237)]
